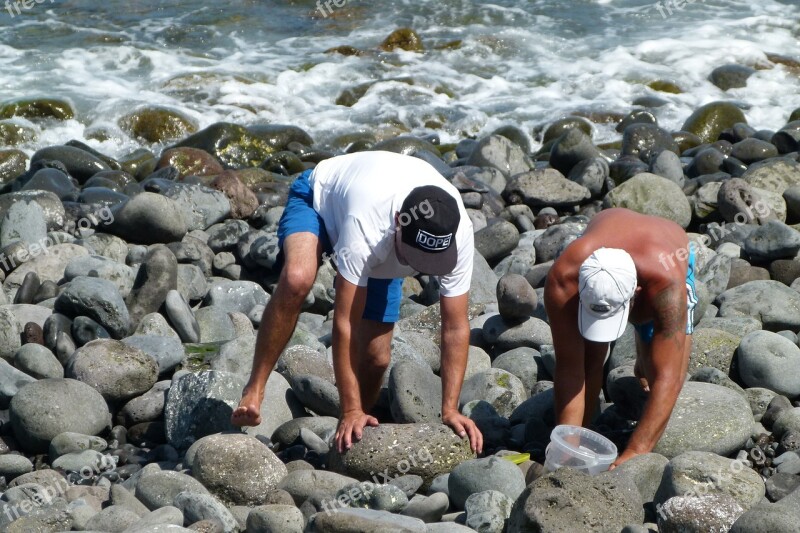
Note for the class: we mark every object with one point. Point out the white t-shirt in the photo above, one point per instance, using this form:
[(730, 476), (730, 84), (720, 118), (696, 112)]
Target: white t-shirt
[(357, 196)]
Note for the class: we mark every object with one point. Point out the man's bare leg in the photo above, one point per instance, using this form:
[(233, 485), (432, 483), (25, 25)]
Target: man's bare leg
[(302, 252), (593, 364), (375, 340)]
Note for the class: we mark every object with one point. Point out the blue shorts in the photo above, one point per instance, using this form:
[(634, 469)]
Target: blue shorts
[(647, 330), (383, 295)]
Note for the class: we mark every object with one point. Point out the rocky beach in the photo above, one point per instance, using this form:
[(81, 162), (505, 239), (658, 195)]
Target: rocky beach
[(138, 251)]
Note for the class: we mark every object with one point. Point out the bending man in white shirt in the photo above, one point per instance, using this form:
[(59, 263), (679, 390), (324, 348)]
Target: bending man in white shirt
[(383, 216)]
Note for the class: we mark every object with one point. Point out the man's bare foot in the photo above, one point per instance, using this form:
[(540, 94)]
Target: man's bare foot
[(249, 411)]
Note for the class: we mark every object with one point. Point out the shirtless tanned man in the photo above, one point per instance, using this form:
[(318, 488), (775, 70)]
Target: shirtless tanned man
[(625, 267), (382, 216)]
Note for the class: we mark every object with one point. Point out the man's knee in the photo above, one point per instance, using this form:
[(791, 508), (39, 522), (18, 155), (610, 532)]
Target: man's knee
[(298, 280)]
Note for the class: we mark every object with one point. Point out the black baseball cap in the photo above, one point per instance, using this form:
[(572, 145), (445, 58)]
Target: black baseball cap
[(429, 219)]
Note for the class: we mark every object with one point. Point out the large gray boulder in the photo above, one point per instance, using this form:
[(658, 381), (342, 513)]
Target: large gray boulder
[(652, 195), (99, 299), (390, 450), (570, 500), (773, 303), (119, 372), (238, 469), (707, 418), (769, 360), (48, 407)]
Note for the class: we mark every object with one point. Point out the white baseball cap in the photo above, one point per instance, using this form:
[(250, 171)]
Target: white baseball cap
[(606, 286)]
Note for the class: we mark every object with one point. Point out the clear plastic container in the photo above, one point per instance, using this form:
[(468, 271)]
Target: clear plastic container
[(579, 448)]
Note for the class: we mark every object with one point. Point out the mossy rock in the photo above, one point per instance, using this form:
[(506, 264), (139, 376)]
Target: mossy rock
[(710, 120), (686, 140), (13, 134), (38, 108), (258, 176), (157, 124), (190, 162), (232, 144), (13, 164), (791, 64), (139, 164), (345, 50), (795, 115), (451, 45), (601, 117), (561, 126), (665, 86), (404, 39), (350, 97)]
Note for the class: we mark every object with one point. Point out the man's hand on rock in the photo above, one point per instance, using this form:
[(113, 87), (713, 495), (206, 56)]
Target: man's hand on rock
[(464, 427), (626, 455), (351, 428)]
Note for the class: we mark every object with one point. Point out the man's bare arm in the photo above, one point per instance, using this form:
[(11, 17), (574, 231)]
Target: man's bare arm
[(348, 310), (570, 379), (455, 348), (668, 367)]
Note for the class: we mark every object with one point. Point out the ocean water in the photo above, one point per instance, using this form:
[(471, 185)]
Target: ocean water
[(522, 62)]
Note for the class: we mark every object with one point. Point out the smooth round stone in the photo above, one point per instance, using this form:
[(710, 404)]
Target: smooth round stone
[(380, 497), (9, 333), (201, 206), (317, 394), (570, 500), (86, 330), (101, 267), (214, 325), (521, 362), (12, 465), (284, 518), (98, 299), (710, 120), (156, 488), (154, 324), (288, 433), (549, 244), (773, 303), (504, 336), (429, 509), (39, 362), (147, 407), (425, 450), (167, 352), (668, 165), (545, 187), (570, 149), (516, 299), (707, 418), (488, 511), (773, 240), (496, 240), (768, 360), (117, 371), (753, 150), (299, 360), (490, 473), (731, 76), (27, 291), (415, 393), (52, 180), (149, 218), (192, 283), (646, 140), (238, 469), (705, 512), (759, 399), (181, 317), (497, 151), (499, 388), (69, 442), (236, 296), (350, 520), (42, 410), (652, 195), (714, 348), (690, 472), (23, 222)]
